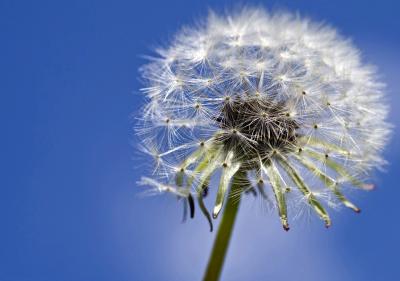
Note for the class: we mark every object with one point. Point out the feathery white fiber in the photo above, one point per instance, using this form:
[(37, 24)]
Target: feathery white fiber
[(282, 98)]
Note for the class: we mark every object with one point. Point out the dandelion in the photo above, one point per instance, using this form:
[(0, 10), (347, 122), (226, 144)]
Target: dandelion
[(271, 104)]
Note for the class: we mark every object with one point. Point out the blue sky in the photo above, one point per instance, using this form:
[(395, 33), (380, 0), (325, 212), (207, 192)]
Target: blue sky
[(69, 205)]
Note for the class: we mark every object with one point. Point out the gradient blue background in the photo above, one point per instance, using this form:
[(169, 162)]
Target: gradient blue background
[(69, 205)]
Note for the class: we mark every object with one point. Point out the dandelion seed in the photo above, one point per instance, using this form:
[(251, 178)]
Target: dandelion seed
[(269, 97)]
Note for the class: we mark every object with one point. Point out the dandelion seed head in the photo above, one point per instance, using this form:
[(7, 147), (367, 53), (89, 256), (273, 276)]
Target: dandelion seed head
[(284, 99)]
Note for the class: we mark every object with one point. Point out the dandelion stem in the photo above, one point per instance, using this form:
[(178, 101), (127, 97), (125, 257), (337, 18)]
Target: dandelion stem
[(221, 243)]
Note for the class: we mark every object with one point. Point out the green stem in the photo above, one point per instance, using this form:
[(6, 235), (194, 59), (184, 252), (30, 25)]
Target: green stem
[(221, 243)]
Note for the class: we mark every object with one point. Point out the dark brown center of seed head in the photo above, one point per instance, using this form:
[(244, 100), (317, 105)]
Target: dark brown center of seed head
[(253, 128)]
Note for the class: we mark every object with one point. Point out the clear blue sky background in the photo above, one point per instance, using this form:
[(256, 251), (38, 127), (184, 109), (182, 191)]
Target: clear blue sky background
[(69, 208)]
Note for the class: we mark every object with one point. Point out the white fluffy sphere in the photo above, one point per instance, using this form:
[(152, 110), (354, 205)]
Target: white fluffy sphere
[(285, 100)]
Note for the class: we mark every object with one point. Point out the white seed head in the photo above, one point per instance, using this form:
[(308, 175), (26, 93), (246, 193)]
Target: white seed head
[(285, 99)]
